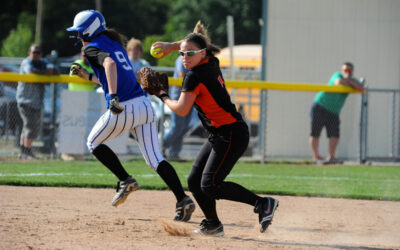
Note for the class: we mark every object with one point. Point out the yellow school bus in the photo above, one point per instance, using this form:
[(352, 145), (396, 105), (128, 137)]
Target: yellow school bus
[(245, 57), (247, 66)]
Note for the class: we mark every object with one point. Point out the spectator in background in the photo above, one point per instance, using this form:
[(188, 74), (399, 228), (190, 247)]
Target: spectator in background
[(325, 112), (79, 87), (135, 52), (30, 99), (84, 63), (173, 139)]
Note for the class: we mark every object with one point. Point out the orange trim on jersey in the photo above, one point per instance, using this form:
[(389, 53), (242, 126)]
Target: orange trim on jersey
[(217, 115), (203, 61)]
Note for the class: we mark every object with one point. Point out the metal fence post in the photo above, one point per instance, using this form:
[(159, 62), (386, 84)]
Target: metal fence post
[(263, 103), (53, 126), (398, 142), (7, 119), (393, 153), (363, 125), (398, 131), (263, 125)]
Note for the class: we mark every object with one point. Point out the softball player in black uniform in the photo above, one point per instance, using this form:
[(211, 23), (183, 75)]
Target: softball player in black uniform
[(203, 86)]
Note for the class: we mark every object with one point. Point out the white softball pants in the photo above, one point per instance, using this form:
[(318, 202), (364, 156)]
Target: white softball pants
[(140, 119)]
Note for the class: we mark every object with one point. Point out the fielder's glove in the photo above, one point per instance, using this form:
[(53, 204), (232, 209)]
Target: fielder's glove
[(154, 83), (77, 69), (114, 105)]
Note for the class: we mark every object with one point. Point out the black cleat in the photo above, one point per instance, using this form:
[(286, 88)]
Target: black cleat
[(212, 228), (184, 209), (124, 188), (265, 209)]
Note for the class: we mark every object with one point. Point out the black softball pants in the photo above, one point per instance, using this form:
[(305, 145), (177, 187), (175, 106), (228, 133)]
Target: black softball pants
[(213, 164)]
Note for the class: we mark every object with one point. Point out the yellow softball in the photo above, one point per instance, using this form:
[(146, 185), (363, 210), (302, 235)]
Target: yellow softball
[(153, 52)]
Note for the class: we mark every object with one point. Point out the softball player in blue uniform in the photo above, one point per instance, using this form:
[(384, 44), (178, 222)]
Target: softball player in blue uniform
[(129, 109)]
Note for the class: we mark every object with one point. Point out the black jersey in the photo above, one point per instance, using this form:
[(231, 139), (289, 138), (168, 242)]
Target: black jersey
[(213, 101)]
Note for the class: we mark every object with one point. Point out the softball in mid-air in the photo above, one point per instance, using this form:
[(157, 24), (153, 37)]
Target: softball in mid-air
[(153, 52)]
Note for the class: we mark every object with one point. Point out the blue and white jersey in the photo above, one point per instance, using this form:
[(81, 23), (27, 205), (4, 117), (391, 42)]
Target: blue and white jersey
[(127, 84)]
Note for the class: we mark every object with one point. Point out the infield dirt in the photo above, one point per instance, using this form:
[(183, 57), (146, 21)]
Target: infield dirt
[(80, 218)]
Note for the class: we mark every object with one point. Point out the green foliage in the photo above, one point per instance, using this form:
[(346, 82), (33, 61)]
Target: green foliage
[(136, 18), (18, 41), (167, 61), (57, 16), (213, 13), (131, 18), (171, 20), (183, 16), (10, 12)]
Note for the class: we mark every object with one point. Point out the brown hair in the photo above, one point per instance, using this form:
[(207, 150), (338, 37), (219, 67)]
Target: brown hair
[(200, 38), (349, 64), (34, 46), (114, 35), (134, 43)]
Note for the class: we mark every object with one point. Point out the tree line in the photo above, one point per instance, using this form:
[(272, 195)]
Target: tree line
[(147, 20)]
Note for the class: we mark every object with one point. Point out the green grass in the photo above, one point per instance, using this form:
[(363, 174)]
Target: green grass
[(358, 182)]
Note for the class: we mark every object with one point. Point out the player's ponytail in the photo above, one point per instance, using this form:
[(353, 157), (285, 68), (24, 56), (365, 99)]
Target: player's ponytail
[(114, 35), (200, 29), (199, 37)]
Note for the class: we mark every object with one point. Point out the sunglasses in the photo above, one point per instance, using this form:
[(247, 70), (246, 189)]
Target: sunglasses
[(348, 70), (36, 52), (190, 52)]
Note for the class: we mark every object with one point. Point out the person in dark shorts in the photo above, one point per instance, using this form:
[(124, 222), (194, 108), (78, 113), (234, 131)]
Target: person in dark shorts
[(325, 112), (30, 99), (204, 88)]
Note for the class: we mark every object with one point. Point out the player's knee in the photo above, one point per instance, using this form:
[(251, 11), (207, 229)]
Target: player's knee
[(91, 146), (193, 185), (211, 191)]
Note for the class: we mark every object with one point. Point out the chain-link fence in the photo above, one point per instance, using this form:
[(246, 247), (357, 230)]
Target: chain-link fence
[(369, 126), (41, 122), (289, 126), (380, 125), (48, 140), (10, 120)]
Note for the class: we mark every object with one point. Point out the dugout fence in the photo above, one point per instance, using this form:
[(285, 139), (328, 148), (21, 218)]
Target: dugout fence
[(380, 125), (369, 129)]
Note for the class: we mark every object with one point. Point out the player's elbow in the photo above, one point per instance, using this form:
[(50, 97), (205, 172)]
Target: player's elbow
[(338, 82), (181, 107), (182, 112), (109, 63)]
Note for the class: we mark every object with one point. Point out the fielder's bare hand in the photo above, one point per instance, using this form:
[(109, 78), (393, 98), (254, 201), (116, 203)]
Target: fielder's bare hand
[(166, 47)]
